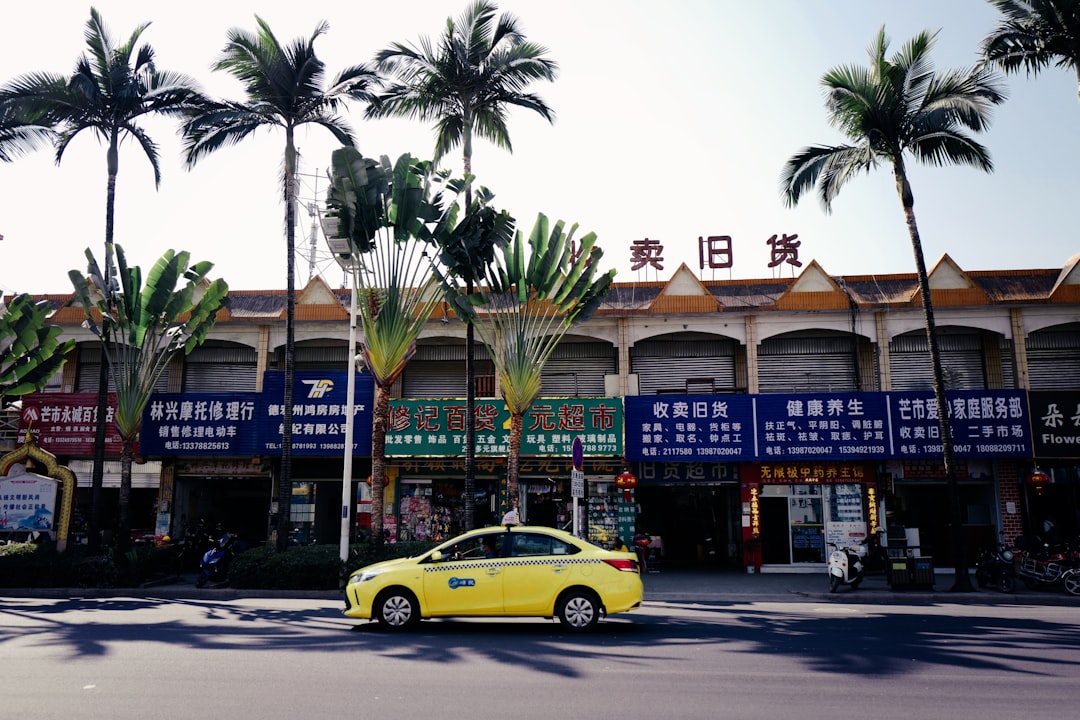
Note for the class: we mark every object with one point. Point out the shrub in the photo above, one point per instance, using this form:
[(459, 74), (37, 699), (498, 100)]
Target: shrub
[(309, 567), (32, 565)]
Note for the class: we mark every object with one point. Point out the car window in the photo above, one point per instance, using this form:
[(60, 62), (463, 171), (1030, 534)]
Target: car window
[(528, 544)]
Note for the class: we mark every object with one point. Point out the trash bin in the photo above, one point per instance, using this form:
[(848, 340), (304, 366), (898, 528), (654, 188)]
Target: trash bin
[(899, 574), (906, 568), (922, 571)]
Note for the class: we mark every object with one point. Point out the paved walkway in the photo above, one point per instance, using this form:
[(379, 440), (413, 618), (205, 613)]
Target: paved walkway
[(684, 586), (726, 587)]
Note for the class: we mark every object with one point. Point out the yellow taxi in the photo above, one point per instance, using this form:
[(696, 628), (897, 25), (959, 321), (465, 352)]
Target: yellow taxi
[(511, 571)]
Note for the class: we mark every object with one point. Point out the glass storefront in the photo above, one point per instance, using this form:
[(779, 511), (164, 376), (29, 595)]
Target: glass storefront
[(799, 521)]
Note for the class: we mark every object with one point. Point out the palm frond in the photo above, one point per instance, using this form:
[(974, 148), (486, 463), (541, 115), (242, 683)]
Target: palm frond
[(464, 82)]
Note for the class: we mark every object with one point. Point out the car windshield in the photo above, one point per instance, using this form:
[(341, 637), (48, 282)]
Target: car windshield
[(471, 548)]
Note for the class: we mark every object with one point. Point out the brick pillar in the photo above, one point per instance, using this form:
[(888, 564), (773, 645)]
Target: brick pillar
[(1009, 491)]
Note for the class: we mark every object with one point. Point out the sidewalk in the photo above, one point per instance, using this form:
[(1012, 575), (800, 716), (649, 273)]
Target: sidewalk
[(734, 587), (682, 586)]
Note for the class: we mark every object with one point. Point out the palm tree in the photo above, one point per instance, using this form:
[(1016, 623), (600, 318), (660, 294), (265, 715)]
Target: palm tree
[(19, 133), (30, 349), (894, 107), (141, 327), (1033, 34), (388, 215), (112, 88), (284, 88), (529, 301), (465, 83)]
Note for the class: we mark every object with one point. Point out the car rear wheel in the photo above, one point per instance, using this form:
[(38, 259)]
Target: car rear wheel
[(397, 609), (579, 610)]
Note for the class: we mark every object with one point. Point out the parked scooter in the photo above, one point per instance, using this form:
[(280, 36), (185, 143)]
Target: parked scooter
[(995, 568), (846, 565), (214, 567), (1046, 564)]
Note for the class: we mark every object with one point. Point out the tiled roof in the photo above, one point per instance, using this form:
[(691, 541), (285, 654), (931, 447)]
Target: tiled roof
[(993, 286)]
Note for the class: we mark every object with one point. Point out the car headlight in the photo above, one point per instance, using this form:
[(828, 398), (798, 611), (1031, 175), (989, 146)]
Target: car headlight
[(364, 576)]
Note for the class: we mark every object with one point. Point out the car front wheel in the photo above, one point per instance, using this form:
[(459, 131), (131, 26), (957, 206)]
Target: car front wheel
[(397, 609), (579, 610)]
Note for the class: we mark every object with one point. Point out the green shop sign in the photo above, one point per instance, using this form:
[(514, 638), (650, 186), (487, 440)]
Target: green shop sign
[(431, 428)]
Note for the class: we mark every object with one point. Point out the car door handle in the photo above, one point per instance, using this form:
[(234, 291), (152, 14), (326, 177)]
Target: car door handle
[(559, 567), (493, 570)]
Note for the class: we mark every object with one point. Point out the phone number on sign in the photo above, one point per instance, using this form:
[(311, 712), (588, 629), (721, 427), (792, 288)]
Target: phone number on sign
[(189, 445)]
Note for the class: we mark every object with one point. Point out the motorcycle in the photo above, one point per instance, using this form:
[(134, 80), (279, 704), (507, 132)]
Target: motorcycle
[(1044, 564), (846, 565), (215, 561), (995, 568)]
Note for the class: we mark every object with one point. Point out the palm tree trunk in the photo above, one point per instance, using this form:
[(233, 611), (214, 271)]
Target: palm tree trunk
[(470, 422), (517, 422), (97, 475), (285, 480), (379, 421), (470, 367), (123, 532), (963, 581)]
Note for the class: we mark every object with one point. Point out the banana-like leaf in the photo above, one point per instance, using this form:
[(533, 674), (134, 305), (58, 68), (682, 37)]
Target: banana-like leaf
[(386, 211), (530, 303), (142, 325), (30, 349)]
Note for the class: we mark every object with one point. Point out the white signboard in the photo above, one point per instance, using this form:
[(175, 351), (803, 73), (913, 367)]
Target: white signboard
[(577, 483), (846, 534), (27, 502)]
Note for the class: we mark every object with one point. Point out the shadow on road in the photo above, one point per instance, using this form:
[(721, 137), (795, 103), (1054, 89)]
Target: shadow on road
[(821, 637)]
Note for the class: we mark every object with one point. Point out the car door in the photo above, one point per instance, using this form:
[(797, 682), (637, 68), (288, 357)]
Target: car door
[(471, 584), (537, 568)]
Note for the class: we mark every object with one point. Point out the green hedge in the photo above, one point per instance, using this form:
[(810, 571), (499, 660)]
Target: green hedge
[(311, 567)]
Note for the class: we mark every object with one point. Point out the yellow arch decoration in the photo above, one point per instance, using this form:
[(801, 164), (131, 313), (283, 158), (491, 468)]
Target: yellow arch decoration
[(29, 453)]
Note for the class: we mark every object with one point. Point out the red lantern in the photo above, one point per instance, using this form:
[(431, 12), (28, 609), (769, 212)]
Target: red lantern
[(626, 481), (1038, 480)]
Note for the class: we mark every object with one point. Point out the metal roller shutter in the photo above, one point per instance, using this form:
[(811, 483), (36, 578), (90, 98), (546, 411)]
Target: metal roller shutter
[(805, 373), (576, 378), (219, 369), (961, 361), (433, 379), (86, 375), (806, 364), (682, 366), (1054, 360)]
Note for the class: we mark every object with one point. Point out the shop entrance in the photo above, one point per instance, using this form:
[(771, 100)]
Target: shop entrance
[(699, 523), (237, 504)]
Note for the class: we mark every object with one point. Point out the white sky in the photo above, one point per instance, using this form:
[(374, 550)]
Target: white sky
[(674, 121)]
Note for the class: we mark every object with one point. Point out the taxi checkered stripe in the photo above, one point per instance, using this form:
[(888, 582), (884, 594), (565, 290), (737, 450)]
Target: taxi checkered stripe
[(511, 562)]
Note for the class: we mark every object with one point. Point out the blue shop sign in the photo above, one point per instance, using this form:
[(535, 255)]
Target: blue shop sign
[(188, 424), (687, 428), (821, 426), (984, 424), (319, 412)]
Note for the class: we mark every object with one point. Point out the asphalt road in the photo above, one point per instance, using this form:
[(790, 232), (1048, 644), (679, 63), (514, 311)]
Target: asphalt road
[(266, 658)]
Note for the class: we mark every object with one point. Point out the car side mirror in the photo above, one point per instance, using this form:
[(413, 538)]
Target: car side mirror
[(436, 556)]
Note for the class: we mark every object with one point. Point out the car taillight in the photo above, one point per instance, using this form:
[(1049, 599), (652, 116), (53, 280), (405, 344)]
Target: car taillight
[(623, 565)]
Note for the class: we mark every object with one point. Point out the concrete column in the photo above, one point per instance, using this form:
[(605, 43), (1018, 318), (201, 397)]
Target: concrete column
[(1019, 338), (262, 356), (751, 355), (881, 331), (623, 325)]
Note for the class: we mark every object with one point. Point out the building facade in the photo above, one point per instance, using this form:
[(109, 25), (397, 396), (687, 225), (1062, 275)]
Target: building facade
[(762, 419)]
